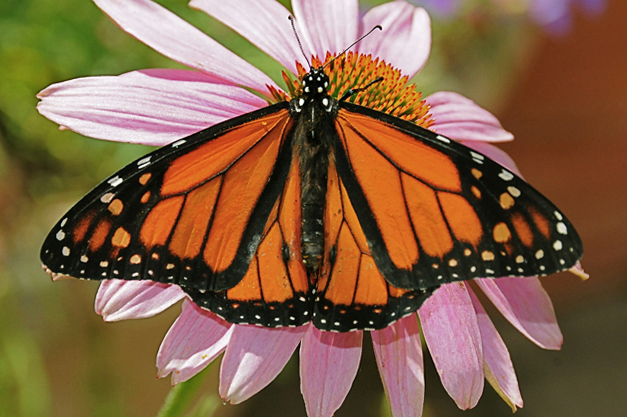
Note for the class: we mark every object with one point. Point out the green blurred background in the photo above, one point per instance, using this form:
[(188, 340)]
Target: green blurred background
[(565, 99)]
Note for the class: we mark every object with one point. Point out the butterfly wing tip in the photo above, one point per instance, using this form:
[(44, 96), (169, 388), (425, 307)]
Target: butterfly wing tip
[(54, 275)]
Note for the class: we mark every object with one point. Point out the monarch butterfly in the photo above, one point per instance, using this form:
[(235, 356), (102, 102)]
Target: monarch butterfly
[(316, 209)]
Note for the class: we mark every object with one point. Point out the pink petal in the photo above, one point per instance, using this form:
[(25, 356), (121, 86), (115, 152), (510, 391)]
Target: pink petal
[(173, 37), (399, 358), (497, 364), (493, 153), (405, 41), (327, 25), (254, 357), (328, 366), (526, 305), (121, 300), (151, 107), (195, 339), (451, 331), (460, 118), (263, 22)]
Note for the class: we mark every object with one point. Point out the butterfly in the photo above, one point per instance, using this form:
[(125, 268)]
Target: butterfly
[(312, 210)]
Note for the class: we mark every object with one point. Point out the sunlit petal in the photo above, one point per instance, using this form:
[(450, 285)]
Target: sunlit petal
[(195, 339), (328, 366), (399, 358), (254, 357)]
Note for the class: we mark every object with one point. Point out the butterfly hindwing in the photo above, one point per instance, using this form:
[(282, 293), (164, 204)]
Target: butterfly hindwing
[(191, 213), (351, 291), (435, 211)]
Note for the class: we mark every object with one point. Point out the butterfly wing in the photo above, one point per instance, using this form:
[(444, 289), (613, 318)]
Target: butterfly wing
[(351, 292), (193, 213), (434, 211)]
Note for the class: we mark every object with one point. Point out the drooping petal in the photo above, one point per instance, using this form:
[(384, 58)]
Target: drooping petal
[(173, 37), (121, 300), (399, 358), (404, 42), (497, 364), (460, 118), (254, 357), (328, 366), (263, 22), (451, 331), (328, 25), (195, 339), (493, 153), (151, 107), (526, 305)]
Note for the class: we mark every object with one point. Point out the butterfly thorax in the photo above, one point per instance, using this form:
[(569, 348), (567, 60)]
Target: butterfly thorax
[(314, 113)]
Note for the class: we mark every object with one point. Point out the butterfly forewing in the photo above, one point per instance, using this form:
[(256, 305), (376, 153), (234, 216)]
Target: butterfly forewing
[(191, 213), (435, 211)]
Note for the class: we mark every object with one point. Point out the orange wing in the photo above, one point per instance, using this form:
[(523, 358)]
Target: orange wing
[(434, 211), (351, 292), (212, 213)]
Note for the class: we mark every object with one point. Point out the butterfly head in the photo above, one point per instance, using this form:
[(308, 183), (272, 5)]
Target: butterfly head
[(315, 83)]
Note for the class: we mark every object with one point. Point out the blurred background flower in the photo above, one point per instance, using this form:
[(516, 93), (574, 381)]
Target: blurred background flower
[(562, 96)]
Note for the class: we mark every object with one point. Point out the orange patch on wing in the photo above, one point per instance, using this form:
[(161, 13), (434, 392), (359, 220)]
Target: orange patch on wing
[(160, 221), (501, 233), (144, 178), (541, 222), (427, 218), (121, 238), (191, 228), (371, 286), (289, 219), (248, 288), (380, 182), (99, 235), (145, 197), (80, 230), (343, 278), (116, 207), (410, 154), (523, 230), (353, 222), (215, 156), (397, 292), (462, 218), (242, 185), (275, 282)]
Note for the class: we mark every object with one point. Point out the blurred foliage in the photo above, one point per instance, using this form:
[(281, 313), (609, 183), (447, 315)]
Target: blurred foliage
[(46, 330)]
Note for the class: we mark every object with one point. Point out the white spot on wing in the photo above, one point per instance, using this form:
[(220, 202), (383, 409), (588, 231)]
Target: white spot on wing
[(65, 251), (106, 198), (506, 175), (115, 181), (178, 143), (63, 222), (557, 245), (60, 235), (561, 228), (515, 192), (144, 162), (443, 139)]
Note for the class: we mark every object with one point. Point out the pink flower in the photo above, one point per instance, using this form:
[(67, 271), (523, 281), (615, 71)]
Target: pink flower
[(159, 106)]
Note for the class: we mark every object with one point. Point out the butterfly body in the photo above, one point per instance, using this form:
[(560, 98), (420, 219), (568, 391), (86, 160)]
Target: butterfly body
[(314, 210)]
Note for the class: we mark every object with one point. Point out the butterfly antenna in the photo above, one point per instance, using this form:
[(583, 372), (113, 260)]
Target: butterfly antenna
[(298, 40), (357, 90), (352, 44)]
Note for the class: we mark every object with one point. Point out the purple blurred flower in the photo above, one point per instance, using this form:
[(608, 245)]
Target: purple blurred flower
[(556, 15), (159, 106)]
